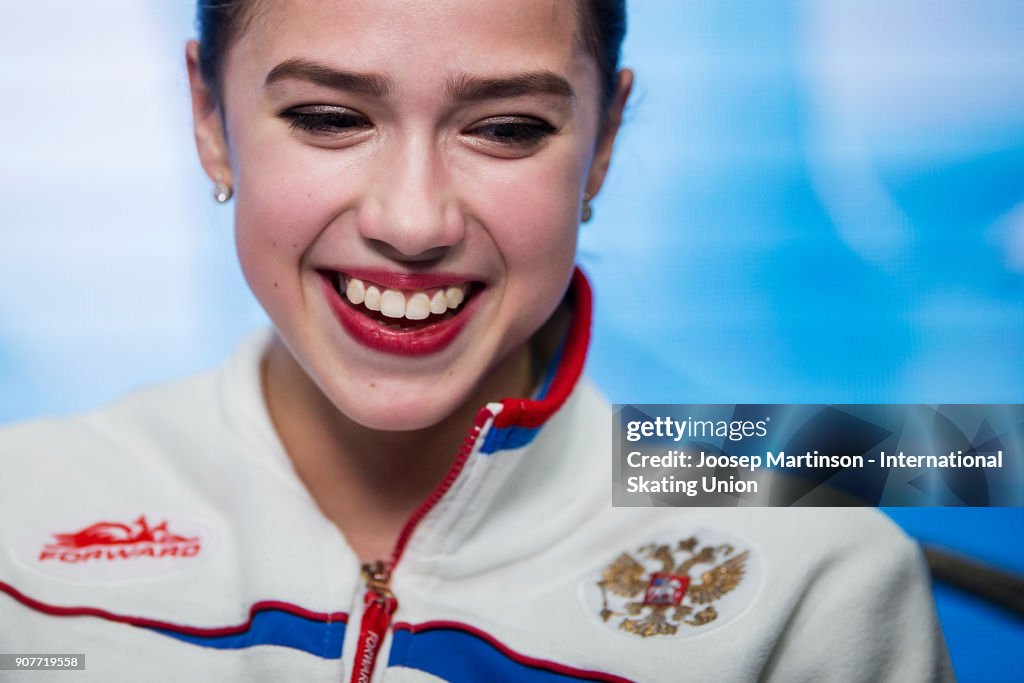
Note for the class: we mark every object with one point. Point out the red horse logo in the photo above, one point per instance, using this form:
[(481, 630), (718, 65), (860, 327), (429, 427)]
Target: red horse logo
[(115, 533)]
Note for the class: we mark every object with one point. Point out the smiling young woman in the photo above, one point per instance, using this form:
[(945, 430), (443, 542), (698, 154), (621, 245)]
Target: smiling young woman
[(406, 213), (406, 479)]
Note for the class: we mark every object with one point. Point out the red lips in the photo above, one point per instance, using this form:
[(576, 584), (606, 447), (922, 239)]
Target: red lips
[(418, 340)]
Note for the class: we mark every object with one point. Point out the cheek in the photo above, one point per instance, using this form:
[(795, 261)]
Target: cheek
[(531, 206), (280, 208), (533, 218), (537, 234), (269, 236)]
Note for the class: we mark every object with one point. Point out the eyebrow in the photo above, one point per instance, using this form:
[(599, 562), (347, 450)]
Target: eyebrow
[(336, 79), (472, 88), (462, 88)]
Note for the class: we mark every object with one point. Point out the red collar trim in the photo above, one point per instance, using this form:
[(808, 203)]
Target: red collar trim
[(524, 412)]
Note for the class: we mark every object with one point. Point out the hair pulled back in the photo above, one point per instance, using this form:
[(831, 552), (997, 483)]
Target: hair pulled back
[(602, 27)]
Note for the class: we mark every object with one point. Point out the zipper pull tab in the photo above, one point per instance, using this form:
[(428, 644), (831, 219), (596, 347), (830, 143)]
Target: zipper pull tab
[(380, 604), (378, 578)]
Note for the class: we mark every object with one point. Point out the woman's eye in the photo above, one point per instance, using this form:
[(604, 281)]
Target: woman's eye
[(326, 121), (513, 131)]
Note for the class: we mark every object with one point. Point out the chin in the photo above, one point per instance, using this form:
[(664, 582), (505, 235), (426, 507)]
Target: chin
[(401, 409)]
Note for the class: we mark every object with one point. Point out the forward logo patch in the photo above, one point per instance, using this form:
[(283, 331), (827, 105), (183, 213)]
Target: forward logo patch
[(113, 549)]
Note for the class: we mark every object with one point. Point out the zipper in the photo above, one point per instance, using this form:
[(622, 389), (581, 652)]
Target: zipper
[(378, 600), (379, 604)]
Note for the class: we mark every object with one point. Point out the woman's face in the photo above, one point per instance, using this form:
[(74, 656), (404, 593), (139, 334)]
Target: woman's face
[(402, 156)]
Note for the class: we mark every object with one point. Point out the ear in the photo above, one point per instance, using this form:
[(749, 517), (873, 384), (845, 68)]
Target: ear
[(606, 141), (211, 143)]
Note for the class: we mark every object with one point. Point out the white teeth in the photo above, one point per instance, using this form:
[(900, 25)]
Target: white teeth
[(439, 304), (372, 298), (418, 306), (454, 296), (356, 291), (392, 304)]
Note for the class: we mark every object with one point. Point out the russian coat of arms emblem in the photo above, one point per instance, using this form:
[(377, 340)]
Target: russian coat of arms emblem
[(665, 587)]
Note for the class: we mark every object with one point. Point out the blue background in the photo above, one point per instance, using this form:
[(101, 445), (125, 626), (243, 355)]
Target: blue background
[(817, 201)]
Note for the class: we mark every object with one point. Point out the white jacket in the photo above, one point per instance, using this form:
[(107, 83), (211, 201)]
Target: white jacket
[(168, 538)]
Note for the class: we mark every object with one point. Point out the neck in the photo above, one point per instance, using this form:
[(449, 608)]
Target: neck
[(370, 498)]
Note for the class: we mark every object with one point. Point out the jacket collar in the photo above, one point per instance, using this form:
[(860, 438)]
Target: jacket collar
[(519, 419), (520, 459)]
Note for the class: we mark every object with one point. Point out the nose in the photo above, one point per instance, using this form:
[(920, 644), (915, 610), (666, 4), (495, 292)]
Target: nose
[(412, 213)]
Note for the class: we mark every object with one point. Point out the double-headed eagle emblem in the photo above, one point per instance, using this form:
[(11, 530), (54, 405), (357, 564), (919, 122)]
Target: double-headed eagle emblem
[(667, 598)]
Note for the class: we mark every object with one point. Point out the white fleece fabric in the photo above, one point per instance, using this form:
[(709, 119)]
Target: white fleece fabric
[(505, 579)]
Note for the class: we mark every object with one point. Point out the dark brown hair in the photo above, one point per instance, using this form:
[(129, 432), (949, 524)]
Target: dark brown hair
[(602, 27)]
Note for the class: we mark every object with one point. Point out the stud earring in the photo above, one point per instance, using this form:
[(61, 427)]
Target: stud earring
[(221, 191), (588, 210)]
